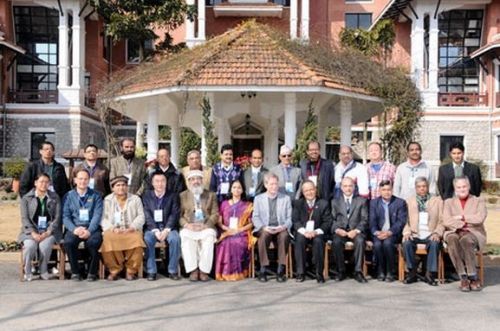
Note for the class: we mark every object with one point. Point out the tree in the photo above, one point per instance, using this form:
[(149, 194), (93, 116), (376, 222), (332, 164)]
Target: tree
[(211, 140), (308, 133), (189, 141), (135, 20)]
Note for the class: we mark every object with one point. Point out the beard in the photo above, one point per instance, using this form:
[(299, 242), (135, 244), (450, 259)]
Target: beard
[(196, 190), (128, 155)]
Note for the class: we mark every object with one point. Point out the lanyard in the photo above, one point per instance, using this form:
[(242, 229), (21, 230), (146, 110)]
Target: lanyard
[(286, 173), (159, 202), (310, 210), (42, 206), (349, 168), (92, 170), (233, 208), (312, 170), (83, 200), (129, 166)]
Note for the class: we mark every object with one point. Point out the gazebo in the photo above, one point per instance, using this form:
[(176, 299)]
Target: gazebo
[(259, 93)]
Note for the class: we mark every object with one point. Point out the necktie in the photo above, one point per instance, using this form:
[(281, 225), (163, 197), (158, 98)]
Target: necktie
[(348, 206)]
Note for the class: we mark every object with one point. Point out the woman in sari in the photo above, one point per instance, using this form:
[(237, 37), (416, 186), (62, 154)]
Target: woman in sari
[(233, 248)]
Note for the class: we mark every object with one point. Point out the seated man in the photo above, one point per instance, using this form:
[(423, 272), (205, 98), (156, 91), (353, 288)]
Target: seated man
[(272, 219), (161, 209), (122, 223), (199, 216), (311, 219), (82, 213), (463, 219), (350, 223), (425, 226), (388, 215)]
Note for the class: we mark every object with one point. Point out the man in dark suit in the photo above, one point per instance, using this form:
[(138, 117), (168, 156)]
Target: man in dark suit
[(253, 176), (175, 179), (311, 219), (388, 216), (458, 168), (350, 222), (318, 170)]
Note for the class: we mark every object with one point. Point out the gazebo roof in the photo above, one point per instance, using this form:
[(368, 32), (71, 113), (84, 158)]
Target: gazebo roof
[(249, 55)]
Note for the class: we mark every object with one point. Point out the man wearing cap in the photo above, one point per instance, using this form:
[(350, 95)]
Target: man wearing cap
[(288, 175), (122, 224), (199, 216), (129, 166)]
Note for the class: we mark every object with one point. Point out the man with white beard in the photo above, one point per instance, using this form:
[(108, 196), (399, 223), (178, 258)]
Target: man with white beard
[(199, 215)]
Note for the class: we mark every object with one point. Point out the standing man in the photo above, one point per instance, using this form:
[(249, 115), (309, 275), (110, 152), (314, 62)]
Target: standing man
[(199, 216), (129, 166), (378, 169), (407, 172), (425, 226), (288, 176), (253, 176), (350, 223), (175, 180), (388, 215), (458, 168), (224, 173), (318, 170), (347, 167), (82, 213), (311, 219), (194, 163), (99, 173), (272, 220), (161, 210), (46, 164)]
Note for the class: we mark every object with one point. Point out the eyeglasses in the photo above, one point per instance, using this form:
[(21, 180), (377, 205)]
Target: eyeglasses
[(286, 155)]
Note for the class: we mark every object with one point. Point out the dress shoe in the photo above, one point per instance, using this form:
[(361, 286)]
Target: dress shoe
[(320, 279), (381, 277), (91, 278), (475, 285), (112, 277), (76, 277), (410, 279), (174, 276), (360, 278), (464, 285), (152, 277), (429, 279), (281, 277), (262, 277), (300, 278), (340, 276), (194, 276), (130, 277), (390, 278), (28, 278), (204, 277)]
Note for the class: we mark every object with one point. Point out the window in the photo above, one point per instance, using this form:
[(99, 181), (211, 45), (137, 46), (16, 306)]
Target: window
[(445, 143), (37, 32), (133, 50), (37, 138), (358, 21), (459, 36)]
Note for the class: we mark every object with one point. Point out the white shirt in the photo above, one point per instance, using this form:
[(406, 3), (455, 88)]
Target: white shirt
[(359, 173)]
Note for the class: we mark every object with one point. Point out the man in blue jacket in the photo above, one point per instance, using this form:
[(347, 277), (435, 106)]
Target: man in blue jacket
[(82, 213), (388, 216), (161, 209)]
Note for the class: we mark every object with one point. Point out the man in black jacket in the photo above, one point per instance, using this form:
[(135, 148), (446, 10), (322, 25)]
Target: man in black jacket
[(318, 170), (175, 179), (311, 219), (46, 164), (458, 168)]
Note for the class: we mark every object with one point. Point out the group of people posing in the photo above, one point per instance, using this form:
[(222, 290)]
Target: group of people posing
[(227, 210)]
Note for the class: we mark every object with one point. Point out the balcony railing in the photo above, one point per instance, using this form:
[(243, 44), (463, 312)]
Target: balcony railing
[(285, 3), (33, 96), (463, 99)]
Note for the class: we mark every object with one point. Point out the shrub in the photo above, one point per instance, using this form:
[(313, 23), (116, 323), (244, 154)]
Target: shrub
[(14, 167)]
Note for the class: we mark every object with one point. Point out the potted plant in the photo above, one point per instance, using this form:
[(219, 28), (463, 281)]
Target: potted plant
[(13, 168)]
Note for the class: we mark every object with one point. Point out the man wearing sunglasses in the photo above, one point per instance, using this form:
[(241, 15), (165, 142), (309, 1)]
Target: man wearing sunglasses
[(288, 175)]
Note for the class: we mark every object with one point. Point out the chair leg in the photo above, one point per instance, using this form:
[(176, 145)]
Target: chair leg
[(326, 264), (290, 261), (441, 266), (61, 255), (252, 261), (401, 264), (481, 267)]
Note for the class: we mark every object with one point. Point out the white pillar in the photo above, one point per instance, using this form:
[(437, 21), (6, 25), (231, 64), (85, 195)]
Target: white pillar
[(63, 50), (304, 20), (190, 38), (290, 123), (76, 37), (293, 18), (82, 52), (152, 136), (417, 50), (175, 138), (271, 143), (345, 122), (201, 20), (139, 134), (431, 97)]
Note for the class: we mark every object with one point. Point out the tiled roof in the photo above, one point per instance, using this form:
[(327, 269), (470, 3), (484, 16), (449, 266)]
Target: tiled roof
[(245, 56)]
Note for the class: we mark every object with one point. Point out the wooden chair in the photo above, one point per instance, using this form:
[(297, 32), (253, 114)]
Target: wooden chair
[(288, 265), (421, 250), (480, 264), (59, 261), (349, 246)]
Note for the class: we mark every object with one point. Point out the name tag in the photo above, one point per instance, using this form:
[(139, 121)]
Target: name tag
[(129, 176), (42, 223), (423, 218), (51, 188), (117, 218), (158, 216), (233, 223), (310, 226), (224, 188), (289, 187), (411, 182), (84, 215), (198, 215), (92, 183), (251, 192), (314, 179)]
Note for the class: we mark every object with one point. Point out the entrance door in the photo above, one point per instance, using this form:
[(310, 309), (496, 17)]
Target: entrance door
[(244, 146)]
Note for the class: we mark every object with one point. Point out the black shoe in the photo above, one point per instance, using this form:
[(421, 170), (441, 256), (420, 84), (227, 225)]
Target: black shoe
[(340, 276), (300, 278), (262, 277), (281, 277), (430, 280), (410, 279), (152, 277), (381, 277), (320, 279), (174, 276), (390, 278), (91, 278), (76, 277), (360, 278)]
